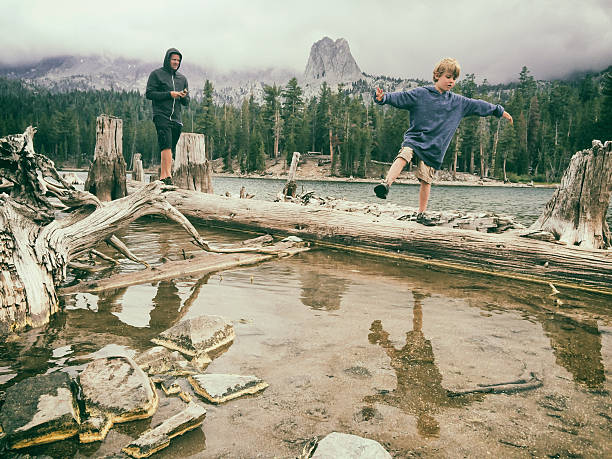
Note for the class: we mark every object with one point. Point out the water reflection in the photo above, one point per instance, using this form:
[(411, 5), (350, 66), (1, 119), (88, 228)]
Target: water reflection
[(321, 288), (577, 348), (419, 390)]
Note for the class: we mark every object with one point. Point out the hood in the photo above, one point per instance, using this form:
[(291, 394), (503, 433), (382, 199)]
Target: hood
[(433, 90), (167, 58)]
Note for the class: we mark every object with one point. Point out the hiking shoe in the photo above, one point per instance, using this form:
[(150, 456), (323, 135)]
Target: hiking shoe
[(424, 220), (167, 180), (381, 190)]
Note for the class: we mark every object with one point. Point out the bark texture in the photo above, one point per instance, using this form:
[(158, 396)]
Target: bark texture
[(138, 169), (36, 248), (576, 213), (290, 188), (106, 178), (190, 168), (506, 254)]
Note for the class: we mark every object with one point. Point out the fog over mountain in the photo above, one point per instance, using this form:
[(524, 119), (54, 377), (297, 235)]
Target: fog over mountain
[(401, 39), (330, 61)]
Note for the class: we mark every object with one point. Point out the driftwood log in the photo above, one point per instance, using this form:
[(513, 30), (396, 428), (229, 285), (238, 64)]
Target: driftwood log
[(576, 213), (191, 170), (106, 177), (36, 248), (507, 254)]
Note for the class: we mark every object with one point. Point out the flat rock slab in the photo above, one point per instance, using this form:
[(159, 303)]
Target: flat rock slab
[(39, 410), (114, 389), (219, 388), (158, 438), (348, 446), (197, 336), (162, 361)]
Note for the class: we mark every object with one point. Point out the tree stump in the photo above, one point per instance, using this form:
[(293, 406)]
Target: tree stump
[(291, 187), (137, 168), (106, 177), (190, 169), (576, 213)]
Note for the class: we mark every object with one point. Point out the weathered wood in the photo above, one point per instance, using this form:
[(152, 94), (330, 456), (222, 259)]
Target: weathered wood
[(106, 177), (137, 168), (505, 254), (36, 248), (576, 213), (200, 264), (191, 170), (291, 187)]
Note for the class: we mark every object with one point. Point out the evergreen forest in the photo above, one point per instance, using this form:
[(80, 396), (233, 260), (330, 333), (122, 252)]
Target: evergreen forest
[(552, 120)]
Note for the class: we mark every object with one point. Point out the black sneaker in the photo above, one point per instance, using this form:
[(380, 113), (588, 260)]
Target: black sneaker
[(424, 220), (167, 180), (381, 190)]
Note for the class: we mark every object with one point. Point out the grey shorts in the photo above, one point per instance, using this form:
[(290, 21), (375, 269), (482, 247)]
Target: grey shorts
[(424, 172)]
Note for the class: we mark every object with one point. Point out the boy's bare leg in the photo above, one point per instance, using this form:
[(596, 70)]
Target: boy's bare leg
[(395, 170), (424, 195), (166, 163)]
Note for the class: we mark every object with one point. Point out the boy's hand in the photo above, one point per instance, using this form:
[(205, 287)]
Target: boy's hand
[(379, 95), (508, 117)]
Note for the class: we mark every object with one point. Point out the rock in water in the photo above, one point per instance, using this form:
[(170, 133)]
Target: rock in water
[(115, 389), (219, 388), (39, 410), (159, 437), (197, 336), (161, 361), (348, 446)]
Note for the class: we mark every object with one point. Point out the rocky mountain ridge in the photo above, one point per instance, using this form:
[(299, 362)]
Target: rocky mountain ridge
[(330, 61)]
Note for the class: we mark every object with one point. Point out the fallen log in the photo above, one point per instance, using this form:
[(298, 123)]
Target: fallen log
[(200, 264), (36, 247), (507, 254)]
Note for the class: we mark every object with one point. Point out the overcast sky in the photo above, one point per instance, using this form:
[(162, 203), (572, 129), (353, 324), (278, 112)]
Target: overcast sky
[(401, 38)]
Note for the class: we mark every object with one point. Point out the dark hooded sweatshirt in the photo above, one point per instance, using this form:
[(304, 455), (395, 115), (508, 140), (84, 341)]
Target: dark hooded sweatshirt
[(160, 83), (434, 118)]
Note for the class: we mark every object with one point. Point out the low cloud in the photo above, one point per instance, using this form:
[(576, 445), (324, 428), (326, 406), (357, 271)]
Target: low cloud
[(492, 39)]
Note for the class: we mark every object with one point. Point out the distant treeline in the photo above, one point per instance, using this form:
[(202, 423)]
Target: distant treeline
[(552, 120)]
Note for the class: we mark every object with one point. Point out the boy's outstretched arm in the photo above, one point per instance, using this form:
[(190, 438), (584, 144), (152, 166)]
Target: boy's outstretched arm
[(508, 116)]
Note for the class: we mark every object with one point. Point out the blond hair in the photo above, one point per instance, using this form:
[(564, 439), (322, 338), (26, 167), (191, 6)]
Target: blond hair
[(448, 64)]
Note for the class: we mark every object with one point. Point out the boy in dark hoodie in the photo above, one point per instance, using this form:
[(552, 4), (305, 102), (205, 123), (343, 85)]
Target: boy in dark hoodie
[(435, 114), (168, 90)]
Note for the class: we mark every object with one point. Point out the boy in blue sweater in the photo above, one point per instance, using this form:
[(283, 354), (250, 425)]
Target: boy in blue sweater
[(435, 114)]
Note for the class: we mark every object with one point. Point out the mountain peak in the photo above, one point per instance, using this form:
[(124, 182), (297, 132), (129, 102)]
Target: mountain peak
[(331, 61)]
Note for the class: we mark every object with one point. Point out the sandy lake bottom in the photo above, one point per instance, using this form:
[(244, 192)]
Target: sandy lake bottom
[(351, 344)]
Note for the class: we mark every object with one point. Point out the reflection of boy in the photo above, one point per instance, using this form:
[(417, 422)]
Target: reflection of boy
[(435, 114)]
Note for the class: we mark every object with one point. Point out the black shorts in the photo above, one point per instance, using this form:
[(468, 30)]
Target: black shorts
[(168, 133)]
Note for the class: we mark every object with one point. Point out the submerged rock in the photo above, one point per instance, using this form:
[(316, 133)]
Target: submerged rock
[(39, 410), (159, 437), (348, 446), (162, 361), (219, 388), (114, 389), (197, 336)]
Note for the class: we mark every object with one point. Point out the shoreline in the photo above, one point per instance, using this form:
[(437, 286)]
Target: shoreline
[(402, 180), (405, 179)]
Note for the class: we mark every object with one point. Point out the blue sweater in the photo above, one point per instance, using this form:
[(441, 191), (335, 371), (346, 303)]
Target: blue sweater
[(434, 118)]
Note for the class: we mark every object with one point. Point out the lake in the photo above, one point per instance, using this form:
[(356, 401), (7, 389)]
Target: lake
[(348, 343)]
